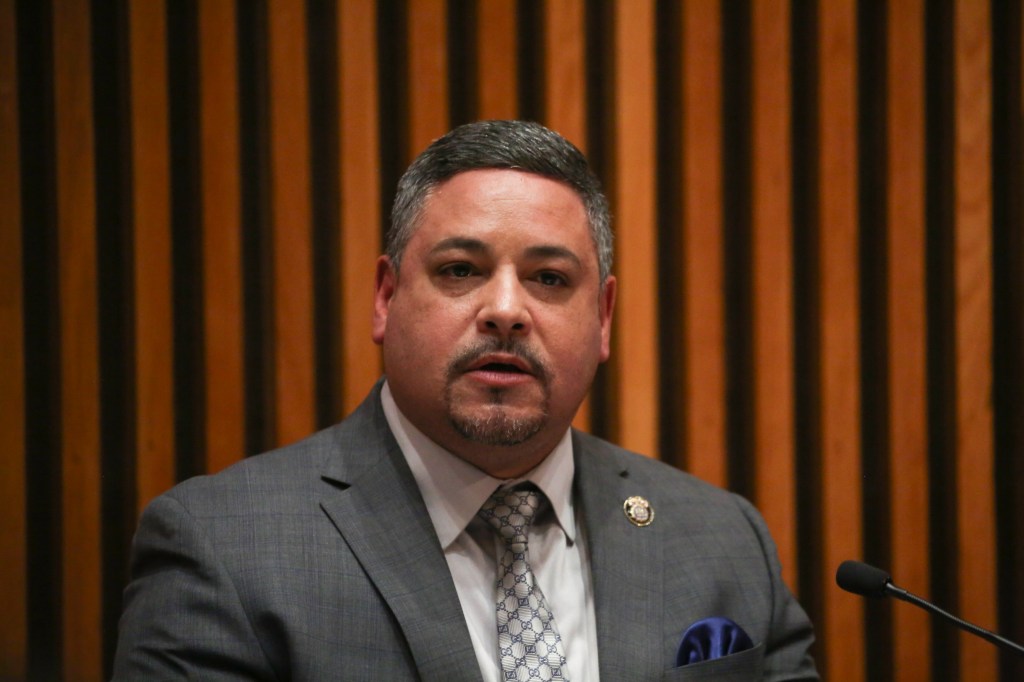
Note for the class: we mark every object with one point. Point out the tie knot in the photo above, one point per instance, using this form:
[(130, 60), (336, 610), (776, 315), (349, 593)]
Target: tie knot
[(510, 511)]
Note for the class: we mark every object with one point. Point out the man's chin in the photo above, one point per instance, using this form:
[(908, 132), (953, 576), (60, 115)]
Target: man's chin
[(471, 396), (499, 426)]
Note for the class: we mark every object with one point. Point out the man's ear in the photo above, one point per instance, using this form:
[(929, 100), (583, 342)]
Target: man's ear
[(606, 307), (384, 283)]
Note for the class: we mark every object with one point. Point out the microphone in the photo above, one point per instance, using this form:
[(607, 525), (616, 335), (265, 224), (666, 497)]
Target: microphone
[(868, 581)]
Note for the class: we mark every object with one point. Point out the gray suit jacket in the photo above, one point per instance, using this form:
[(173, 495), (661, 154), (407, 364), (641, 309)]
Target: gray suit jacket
[(319, 562)]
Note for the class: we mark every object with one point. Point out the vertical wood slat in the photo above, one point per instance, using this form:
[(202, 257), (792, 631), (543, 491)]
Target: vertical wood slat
[(13, 569), (565, 93), (497, 76), (428, 108), (772, 279), (359, 192), (79, 342), (907, 330), (839, 333), (291, 221), (221, 225), (975, 483), (151, 229), (1015, 522), (635, 356), (701, 271)]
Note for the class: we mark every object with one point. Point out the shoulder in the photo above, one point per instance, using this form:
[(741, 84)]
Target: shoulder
[(292, 468), (296, 471), (697, 508), (652, 474)]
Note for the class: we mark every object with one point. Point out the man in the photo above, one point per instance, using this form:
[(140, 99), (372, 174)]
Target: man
[(369, 551)]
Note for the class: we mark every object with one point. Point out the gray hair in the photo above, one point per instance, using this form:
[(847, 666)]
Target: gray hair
[(516, 145)]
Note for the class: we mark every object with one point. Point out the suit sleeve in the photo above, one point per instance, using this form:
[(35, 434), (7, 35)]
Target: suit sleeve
[(787, 651), (183, 617)]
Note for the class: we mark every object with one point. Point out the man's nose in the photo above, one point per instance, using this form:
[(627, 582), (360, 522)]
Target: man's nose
[(504, 309)]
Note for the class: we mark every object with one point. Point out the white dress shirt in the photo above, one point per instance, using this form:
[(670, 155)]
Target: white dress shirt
[(454, 491)]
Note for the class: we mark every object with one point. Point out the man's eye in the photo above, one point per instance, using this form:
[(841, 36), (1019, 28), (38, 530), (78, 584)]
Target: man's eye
[(551, 279), (457, 270)]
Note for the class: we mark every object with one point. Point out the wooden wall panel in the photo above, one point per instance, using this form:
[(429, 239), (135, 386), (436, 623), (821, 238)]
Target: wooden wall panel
[(972, 258), (79, 341), (1008, 318), (151, 244), (291, 221), (13, 555), (809, 234), (907, 334), (635, 352), (565, 79), (428, 107), (220, 220), (772, 279), (360, 188), (701, 263), (838, 333), (497, 73)]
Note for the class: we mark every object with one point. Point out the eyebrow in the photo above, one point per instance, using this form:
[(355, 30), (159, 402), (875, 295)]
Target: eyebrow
[(477, 246), (553, 251), (460, 243)]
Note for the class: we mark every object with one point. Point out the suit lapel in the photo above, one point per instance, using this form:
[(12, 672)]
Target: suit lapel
[(376, 506), (626, 565)]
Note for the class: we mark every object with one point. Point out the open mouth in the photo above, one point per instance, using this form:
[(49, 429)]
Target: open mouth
[(498, 368), (501, 367)]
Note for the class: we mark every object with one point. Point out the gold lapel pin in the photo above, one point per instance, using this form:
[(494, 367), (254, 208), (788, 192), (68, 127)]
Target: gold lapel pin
[(639, 511)]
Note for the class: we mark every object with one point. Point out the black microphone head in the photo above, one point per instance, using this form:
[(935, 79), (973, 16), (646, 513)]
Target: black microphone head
[(862, 579)]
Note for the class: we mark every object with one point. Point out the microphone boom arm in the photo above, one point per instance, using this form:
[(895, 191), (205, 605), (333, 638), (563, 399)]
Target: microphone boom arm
[(903, 595)]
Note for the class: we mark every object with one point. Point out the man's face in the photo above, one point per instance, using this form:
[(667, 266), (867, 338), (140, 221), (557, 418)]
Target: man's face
[(495, 327)]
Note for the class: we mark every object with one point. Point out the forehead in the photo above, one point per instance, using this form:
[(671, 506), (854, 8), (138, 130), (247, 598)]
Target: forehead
[(504, 203)]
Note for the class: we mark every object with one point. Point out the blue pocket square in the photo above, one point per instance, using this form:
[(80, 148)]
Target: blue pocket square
[(710, 638)]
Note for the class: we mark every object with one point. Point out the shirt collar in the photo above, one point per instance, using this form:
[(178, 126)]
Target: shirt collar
[(454, 490)]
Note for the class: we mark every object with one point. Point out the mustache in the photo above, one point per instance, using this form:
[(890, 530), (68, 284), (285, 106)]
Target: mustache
[(465, 358)]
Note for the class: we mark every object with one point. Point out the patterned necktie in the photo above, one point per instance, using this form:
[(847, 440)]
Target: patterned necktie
[(529, 643)]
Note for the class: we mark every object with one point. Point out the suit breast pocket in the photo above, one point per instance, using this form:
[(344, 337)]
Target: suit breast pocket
[(745, 666)]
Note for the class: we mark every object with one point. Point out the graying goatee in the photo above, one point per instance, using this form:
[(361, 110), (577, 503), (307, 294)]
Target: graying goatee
[(497, 427)]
